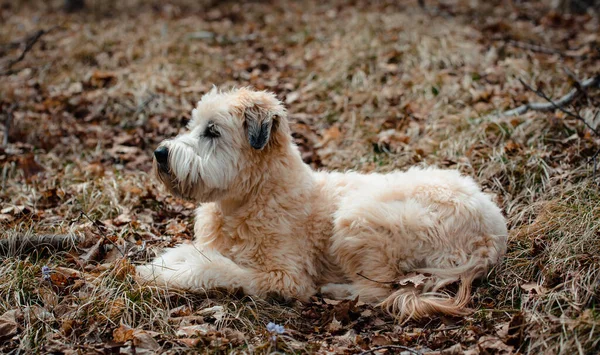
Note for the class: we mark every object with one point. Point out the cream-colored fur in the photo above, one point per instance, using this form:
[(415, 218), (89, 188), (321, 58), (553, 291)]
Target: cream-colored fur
[(268, 223)]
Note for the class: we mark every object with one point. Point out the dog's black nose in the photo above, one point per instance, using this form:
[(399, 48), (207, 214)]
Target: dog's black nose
[(162, 155)]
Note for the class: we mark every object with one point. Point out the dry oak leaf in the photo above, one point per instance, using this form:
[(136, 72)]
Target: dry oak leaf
[(194, 330), (417, 280), (8, 324), (175, 228), (534, 287), (334, 326), (189, 342), (141, 339), (493, 345), (331, 134)]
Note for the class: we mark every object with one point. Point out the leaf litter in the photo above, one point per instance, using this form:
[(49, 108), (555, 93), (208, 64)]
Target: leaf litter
[(369, 86)]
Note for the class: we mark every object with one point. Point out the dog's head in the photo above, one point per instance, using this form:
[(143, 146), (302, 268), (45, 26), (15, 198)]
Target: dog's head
[(228, 143)]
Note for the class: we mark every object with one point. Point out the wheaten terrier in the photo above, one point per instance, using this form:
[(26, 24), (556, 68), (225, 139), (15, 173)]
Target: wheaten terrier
[(268, 223)]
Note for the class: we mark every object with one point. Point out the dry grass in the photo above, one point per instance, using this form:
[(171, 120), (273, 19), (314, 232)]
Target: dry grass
[(372, 87)]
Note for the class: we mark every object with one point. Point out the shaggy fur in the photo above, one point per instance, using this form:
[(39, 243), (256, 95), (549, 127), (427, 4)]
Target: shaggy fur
[(268, 223)]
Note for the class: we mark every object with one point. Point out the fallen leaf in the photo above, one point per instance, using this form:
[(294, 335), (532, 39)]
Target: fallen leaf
[(145, 340), (334, 325), (417, 280), (29, 166), (333, 133), (292, 97), (493, 345), (379, 340), (194, 330), (190, 342), (533, 287), (8, 324), (175, 228), (217, 312), (122, 334)]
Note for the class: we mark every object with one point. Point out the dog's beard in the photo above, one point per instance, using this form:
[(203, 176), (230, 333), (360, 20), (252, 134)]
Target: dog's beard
[(191, 177)]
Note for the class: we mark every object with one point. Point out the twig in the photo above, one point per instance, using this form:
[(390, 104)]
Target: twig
[(371, 351), (446, 328), (145, 103), (8, 123), (23, 245), (593, 160), (579, 86), (542, 106), (102, 231), (141, 108), (560, 103), (379, 282), (28, 46), (541, 49)]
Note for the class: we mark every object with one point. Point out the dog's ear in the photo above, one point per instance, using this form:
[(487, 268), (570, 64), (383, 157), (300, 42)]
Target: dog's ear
[(264, 119), (259, 122)]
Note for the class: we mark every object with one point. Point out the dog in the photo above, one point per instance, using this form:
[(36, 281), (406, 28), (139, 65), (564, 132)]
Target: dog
[(267, 223)]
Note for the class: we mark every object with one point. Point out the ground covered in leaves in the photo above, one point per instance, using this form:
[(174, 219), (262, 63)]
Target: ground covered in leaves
[(371, 87)]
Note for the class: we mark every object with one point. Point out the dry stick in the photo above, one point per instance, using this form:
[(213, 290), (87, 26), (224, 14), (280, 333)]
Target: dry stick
[(24, 245), (555, 105), (7, 124), (142, 107), (541, 49), (379, 282), (145, 103), (542, 106), (28, 46), (579, 86), (583, 85), (95, 223), (371, 351), (559, 104)]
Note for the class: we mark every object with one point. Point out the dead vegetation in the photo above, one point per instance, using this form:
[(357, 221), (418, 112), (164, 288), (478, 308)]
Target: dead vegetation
[(372, 87)]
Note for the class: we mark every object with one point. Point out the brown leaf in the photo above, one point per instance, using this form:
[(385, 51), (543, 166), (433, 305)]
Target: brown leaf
[(8, 324), (516, 330), (334, 326), (493, 345), (391, 140), (379, 340), (122, 334), (145, 340), (102, 78), (59, 279), (533, 287), (417, 280), (122, 219), (189, 342), (175, 228), (94, 252), (29, 166), (331, 134), (292, 97), (194, 330), (345, 310), (181, 311)]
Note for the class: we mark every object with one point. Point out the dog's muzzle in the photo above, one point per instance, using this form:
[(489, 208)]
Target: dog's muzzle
[(162, 158)]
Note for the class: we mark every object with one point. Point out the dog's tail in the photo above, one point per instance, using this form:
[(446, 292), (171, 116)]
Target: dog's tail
[(411, 302)]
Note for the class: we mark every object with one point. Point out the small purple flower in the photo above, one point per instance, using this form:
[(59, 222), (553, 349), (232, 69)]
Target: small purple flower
[(46, 272), (275, 328)]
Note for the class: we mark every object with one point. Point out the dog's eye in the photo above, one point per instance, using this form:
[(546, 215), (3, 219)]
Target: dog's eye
[(211, 131)]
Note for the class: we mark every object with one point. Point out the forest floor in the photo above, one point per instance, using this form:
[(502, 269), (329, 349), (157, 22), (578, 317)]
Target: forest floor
[(369, 86)]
